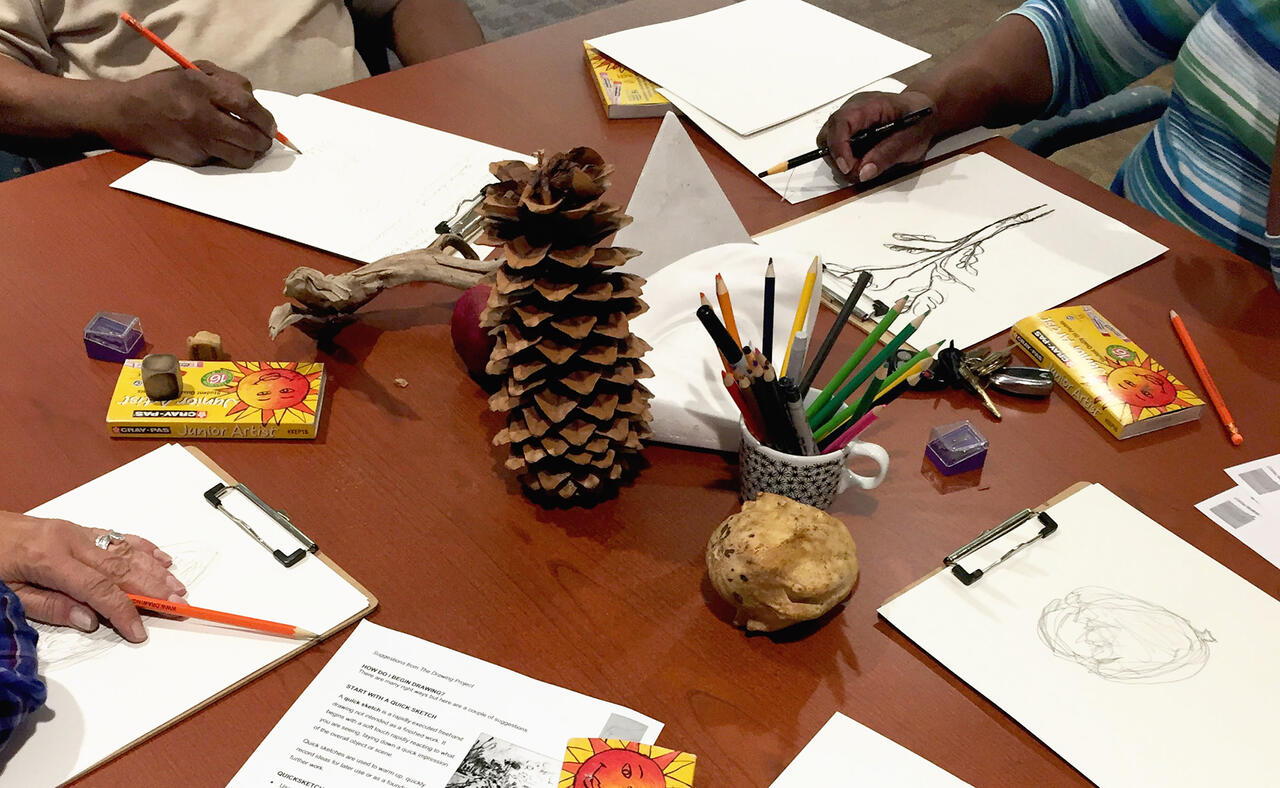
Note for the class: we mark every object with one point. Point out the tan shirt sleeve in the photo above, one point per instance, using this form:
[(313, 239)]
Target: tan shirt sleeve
[(23, 35)]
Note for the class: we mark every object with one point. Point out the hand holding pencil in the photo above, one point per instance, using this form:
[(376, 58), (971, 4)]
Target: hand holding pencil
[(197, 115), (905, 145)]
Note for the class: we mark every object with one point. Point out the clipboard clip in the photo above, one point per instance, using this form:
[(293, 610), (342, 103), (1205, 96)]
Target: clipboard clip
[(1047, 526), (214, 496)]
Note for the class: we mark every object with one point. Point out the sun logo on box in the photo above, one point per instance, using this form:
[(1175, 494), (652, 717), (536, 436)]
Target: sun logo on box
[(614, 763), (276, 390), (1143, 388)]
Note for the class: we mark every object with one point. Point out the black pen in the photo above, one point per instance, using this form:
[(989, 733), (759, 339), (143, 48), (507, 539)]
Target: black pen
[(863, 141)]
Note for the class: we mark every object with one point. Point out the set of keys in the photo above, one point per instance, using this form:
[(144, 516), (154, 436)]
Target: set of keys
[(983, 368)]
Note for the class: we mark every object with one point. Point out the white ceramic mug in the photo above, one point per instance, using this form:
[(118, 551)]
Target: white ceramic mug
[(815, 480)]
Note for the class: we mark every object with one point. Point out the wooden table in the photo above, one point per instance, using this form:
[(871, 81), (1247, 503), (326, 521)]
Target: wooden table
[(404, 490)]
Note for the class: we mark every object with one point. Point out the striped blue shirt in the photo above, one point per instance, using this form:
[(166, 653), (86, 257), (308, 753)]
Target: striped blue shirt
[(1206, 164), (21, 690)]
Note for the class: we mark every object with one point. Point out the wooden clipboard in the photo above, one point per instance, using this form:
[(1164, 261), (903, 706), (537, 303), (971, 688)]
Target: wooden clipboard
[(303, 645), (1062, 496)]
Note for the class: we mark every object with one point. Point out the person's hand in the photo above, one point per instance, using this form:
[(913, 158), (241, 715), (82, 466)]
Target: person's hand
[(191, 117), (62, 577), (866, 110)]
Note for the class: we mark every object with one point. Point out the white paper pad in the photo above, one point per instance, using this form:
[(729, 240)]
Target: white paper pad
[(394, 710), (951, 239), (760, 151), (366, 185), (104, 692), (847, 749), (1134, 656), (759, 62), (690, 404)]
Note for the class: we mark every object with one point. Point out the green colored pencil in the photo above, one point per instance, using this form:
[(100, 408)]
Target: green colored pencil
[(847, 369), (824, 415), (852, 413)]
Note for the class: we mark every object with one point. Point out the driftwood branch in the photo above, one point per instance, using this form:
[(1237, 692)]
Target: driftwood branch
[(329, 301)]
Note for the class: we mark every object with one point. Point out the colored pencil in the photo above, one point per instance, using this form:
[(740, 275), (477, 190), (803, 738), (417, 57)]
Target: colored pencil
[(181, 609), (181, 60), (770, 284), (910, 379), (860, 353), (861, 424), (864, 139), (802, 309), (824, 417), (750, 419), (842, 320), (910, 366), (726, 310), (1206, 379), (869, 396), (723, 360)]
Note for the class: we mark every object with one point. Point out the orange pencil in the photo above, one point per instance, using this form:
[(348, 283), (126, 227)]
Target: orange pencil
[(180, 609), (1210, 387), (726, 309), (182, 61)]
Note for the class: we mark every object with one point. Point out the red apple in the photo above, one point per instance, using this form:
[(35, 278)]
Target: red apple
[(471, 342)]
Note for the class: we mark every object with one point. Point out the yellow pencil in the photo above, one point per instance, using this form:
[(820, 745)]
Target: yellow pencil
[(802, 309)]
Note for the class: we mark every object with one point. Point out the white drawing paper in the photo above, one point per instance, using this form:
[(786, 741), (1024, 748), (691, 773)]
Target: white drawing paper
[(726, 61), (690, 404), (763, 149), (390, 709), (846, 751), (95, 707), (974, 240), (1137, 658), (365, 186)]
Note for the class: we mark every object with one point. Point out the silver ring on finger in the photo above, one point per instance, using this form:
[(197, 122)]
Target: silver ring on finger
[(103, 541)]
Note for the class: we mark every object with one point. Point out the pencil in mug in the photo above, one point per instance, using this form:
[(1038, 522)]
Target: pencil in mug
[(770, 285), (869, 396), (844, 438), (204, 614), (860, 353), (826, 417), (842, 320), (782, 433), (750, 419), (726, 309), (181, 60), (802, 309), (910, 379), (910, 367), (799, 349), (795, 411)]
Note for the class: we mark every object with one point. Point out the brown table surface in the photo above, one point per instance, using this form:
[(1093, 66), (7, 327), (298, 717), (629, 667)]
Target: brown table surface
[(404, 490)]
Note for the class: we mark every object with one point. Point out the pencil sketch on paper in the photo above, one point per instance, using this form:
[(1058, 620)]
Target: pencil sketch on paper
[(935, 264), (61, 647), (1122, 638)]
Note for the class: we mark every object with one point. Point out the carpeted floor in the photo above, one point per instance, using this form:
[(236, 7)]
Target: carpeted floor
[(938, 27)]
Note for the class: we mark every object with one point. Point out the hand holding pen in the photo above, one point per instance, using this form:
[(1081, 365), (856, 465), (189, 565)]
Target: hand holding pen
[(903, 141)]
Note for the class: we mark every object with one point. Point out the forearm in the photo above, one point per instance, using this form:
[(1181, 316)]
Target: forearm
[(999, 79), (426, 29), (39, 106)]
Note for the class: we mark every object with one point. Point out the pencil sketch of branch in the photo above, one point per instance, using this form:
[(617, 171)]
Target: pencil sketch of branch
[(936, 263), (1122, 638), (61, 647)]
